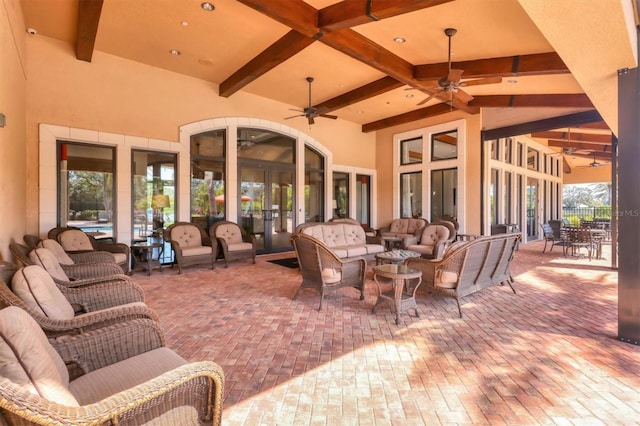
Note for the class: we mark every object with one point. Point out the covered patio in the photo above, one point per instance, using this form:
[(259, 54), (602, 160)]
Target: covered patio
[(546, 355)]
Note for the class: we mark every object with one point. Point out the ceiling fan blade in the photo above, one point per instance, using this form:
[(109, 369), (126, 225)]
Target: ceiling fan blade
[(454, 75), (333, 117), (311, 120), (425, 100), (294, 116), (425, 85), (463, 96), (293, 109), (479, 81)]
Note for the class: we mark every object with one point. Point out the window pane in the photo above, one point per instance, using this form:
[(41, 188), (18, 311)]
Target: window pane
[(208, 178), (87, 186), (153, 192), (411, 151), (363, 199), (411, 194), (444, 185), (265, 145), (532, 159), (506, 199), (340, 194), (493, 196), (444, 145), (314, 186)]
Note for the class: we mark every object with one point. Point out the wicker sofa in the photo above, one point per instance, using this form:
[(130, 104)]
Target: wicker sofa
[(346, 240), (467, 267)]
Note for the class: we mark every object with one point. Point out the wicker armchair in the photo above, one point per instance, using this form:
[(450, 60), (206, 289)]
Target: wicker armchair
[(61, 311), (191, 245), (27, 256), (233, 242), (322, 270), (74, 240), (119, 375), (433, 240)]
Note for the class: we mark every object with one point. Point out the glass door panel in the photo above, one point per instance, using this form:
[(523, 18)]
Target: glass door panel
[(252, 212), (281, 210), (363, 199), (532, 208)]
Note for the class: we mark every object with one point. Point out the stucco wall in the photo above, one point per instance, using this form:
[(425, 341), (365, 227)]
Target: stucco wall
[(13, 175), (116, 95)]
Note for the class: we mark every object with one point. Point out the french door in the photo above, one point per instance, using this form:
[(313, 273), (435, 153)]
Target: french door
[(267, 204)]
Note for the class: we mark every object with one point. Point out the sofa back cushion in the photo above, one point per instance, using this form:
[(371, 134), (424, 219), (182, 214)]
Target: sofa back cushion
[(337, 234), (37, 289), (74, 240), (433, 233), (230, 232), (406, 225), (54, 247), (186, 235), (29, 361), (45, 258)]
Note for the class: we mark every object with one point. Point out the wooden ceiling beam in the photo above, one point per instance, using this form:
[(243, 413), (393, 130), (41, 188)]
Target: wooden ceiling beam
[(577, 100), (367, 91), (358, 47), (290, 44), (578, 137), (579, 145), (521, 65), (408, 117), (295, 14), (569, 120), (89, 12), (349, 13)]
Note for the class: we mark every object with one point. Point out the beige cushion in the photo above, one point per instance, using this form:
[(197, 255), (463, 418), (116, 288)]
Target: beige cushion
[(28, 360), (230, 233), (421, 249), (331, 276), (74, 240), (186, 235), (54, 247), (196, 251), (434, 233), (120, 257), (45, 258), (37, 289), (240, 246), (406, 226), (446, 279), (99, 384)]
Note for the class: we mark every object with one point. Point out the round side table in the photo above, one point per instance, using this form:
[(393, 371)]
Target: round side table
[(402, 295)]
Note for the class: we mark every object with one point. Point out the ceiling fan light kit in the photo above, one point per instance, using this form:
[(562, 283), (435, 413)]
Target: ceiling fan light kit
[(311, 112)]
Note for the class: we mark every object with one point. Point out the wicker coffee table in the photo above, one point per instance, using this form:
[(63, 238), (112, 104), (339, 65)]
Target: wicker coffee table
[(395, 257), (402, 295)]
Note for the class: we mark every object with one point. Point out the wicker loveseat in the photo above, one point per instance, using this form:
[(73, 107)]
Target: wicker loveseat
[(346, 240), (406, 228), (467, 267)]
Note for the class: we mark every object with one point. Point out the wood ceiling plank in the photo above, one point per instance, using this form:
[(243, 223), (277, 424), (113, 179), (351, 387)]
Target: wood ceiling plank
[(366, 51), (579, 145), (407, 117), (581, 137), (362, 93), (577, 100), (349, 13), (521, 65), (290, 44), (295, 14), (89, 12)]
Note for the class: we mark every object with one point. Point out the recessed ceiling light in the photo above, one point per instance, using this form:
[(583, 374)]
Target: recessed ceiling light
[(174, 52), (209, 7), (409, 95), (400, 40), (360, 111), (32, 31), (512, 81), (184, 23)]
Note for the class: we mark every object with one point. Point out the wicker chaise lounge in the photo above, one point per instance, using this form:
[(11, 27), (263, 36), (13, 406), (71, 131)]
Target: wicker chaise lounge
[(115, 375)]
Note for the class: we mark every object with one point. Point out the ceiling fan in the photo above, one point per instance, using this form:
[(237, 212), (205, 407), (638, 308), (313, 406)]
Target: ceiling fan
[(449, 87), (310, 112)]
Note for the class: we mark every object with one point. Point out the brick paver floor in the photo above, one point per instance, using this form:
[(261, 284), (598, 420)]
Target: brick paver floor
[(546, 355)]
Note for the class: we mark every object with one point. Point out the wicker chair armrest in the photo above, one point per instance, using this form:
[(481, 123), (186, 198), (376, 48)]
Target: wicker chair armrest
[(410, 241), (92, 281), (440, 248), (91, 270), (426, 266), (92, 256), (108, 345), (113, 247), (104, 295)]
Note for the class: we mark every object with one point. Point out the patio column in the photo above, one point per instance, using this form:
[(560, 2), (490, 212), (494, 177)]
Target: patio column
[(628, 213)]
